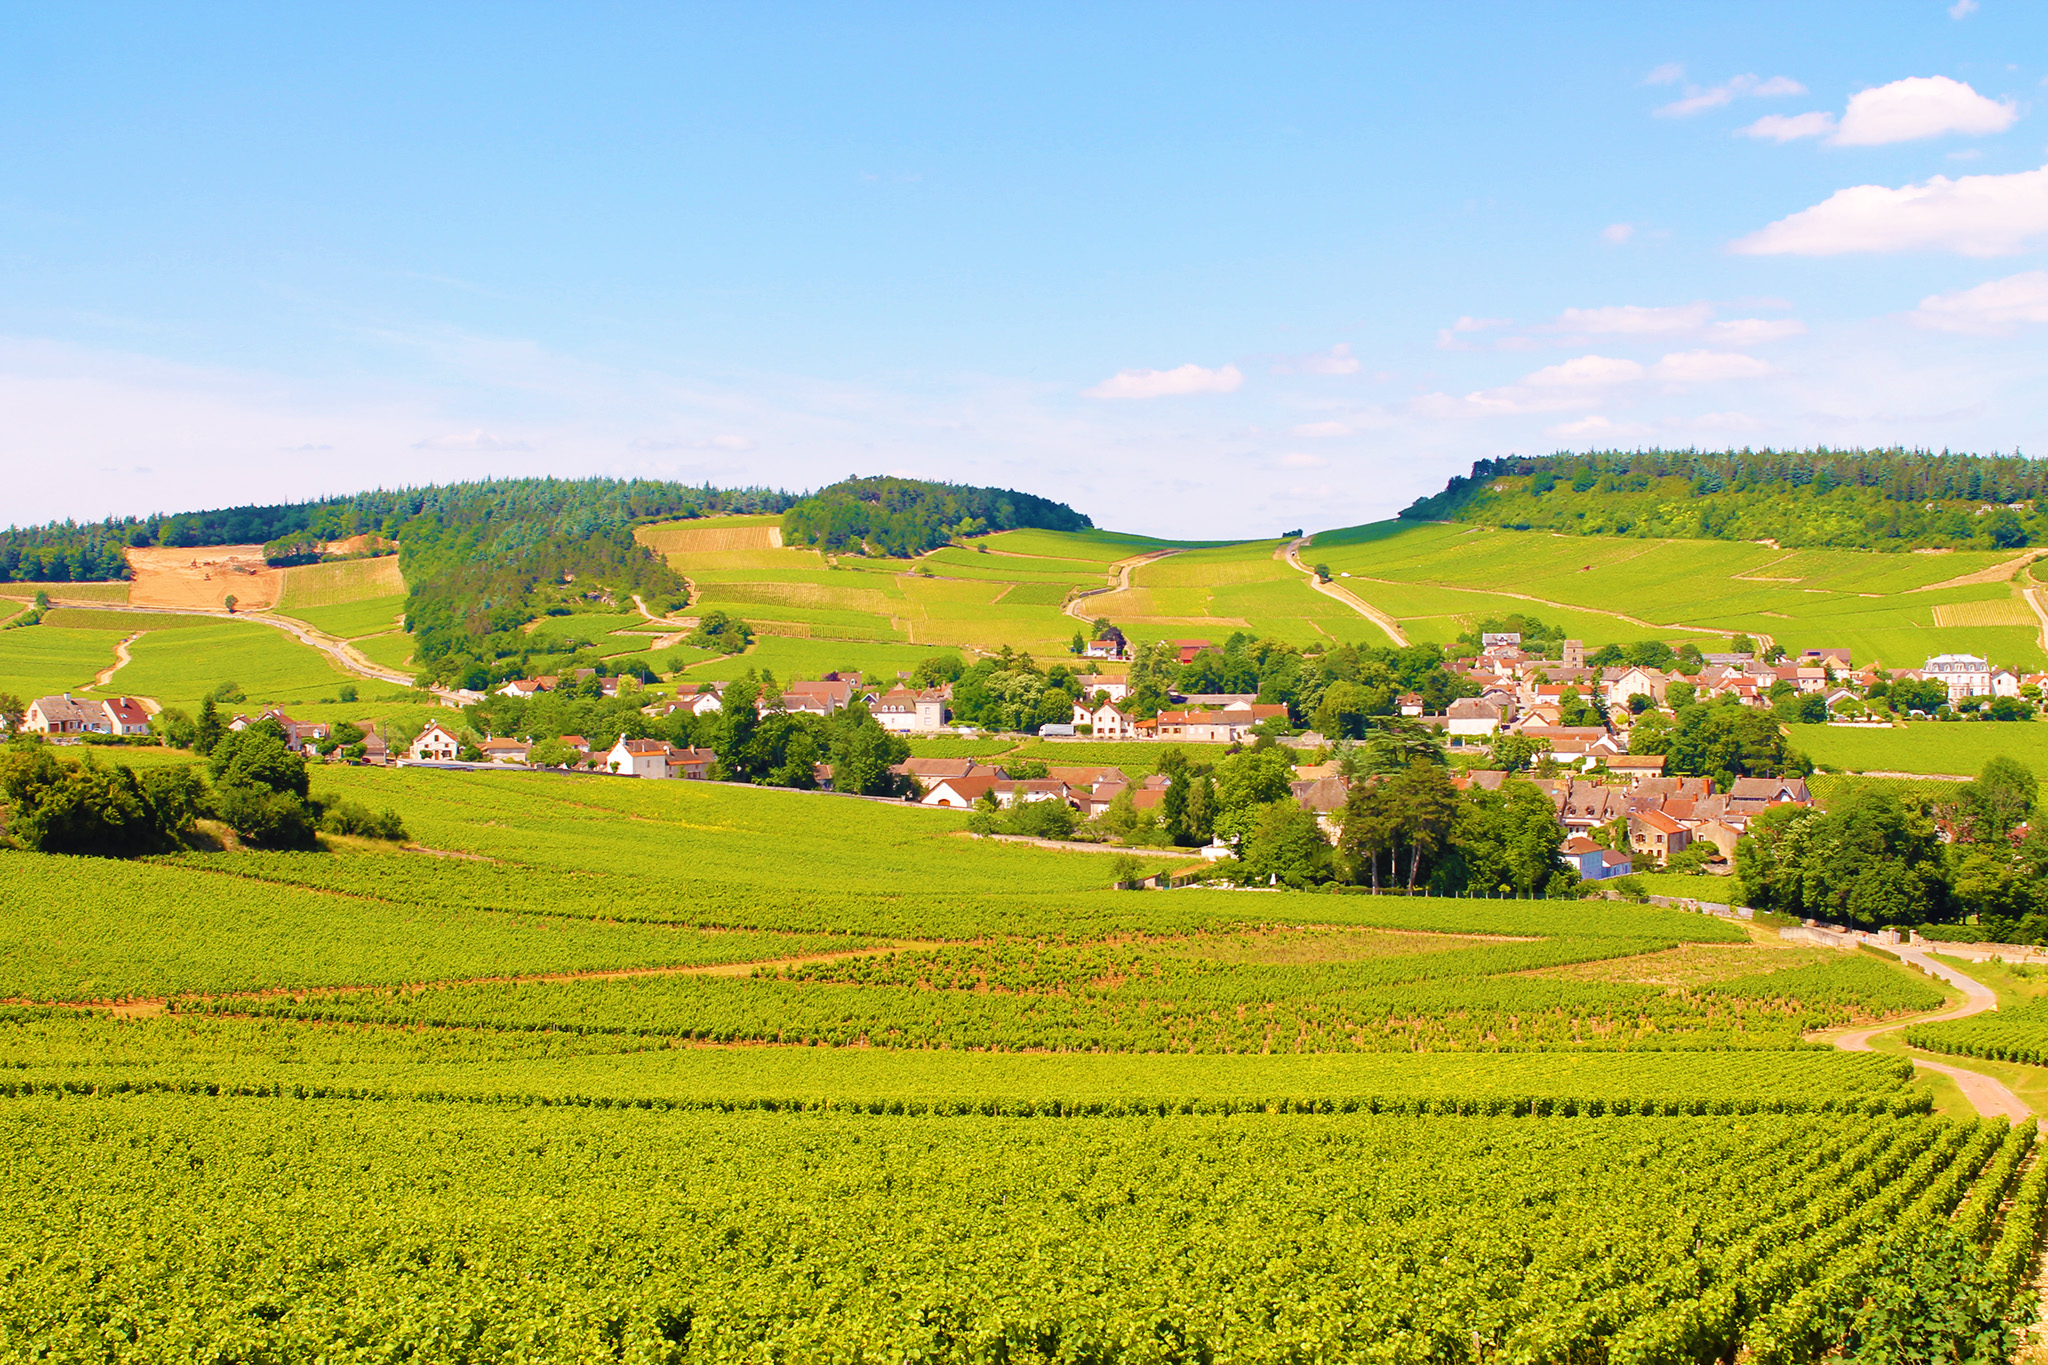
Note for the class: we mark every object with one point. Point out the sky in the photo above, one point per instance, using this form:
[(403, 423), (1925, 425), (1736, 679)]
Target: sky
[(1197, 270)]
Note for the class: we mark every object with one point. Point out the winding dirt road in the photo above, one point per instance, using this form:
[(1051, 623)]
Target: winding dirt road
[(1345, 595), (1122, 569), (1990, 1096)]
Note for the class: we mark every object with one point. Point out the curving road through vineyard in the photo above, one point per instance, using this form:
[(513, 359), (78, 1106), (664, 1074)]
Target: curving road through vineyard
[(1990, 1096)]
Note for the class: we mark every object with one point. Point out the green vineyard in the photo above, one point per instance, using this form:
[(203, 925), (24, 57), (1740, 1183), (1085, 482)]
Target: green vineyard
[(687, 1072)]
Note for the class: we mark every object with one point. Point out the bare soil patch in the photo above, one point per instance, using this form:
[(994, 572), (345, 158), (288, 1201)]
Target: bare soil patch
[(203, 578)]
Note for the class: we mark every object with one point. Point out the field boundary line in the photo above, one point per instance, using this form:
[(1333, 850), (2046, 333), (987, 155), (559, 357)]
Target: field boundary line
[(1344, 595), (1987, 1094)]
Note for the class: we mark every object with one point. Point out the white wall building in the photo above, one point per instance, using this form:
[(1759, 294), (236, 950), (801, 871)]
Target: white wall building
[(1965, 675)]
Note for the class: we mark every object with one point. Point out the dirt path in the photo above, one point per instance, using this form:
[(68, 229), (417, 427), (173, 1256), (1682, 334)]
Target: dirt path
[(106, 675), (1989, 1096), (1344, 595), (2033, 599), (2001, 572), (148, 1009), (340, 650), (1122, 568)]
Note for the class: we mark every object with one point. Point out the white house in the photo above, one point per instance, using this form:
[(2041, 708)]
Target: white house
[(435, 745), (126, 716), (657, 759), (65, 715), (1637, 681), (1472, 718), (1108, 721), (907, 711), (1115, 688), (1965, 675)]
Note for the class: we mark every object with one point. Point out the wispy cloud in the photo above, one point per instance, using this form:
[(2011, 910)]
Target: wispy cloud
[(478, 440), (1670, 73), (1337, 360), (1314, 429), (1976, 215), (1962, 9), (720, 442), (1699, 99), (1790, 127), (1995, 308), (1570, 384), (1183, 379), (1707, 367), (1451, 338), (1634, 320), (1618, 234)]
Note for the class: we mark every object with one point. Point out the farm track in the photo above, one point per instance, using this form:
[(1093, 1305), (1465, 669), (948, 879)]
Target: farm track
[(1123, 568), (1292, 554), (2033, 598), (121, 660), (1988, 1095)]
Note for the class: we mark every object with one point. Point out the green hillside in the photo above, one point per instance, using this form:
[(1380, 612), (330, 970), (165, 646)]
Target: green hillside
[(1861, 499), (1894, 608)]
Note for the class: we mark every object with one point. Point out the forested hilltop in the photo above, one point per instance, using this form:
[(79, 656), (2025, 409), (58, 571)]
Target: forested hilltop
[(900, 518), (1849, 499)]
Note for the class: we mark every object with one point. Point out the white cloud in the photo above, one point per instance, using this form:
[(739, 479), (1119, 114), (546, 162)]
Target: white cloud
[(1976, 215), (1618, 233), (1706, 367), (1337, 360), (1962, 9), (1994, 308), (1320, 429), (1670, 73), (478, 440), (1789, 127), (1919, 107), (1447, 338), (1183, 379), (1566, 385), (1594, 426), (1300, 460), (1751, 331), (1633, 320), (1698, 100), (720, 442)]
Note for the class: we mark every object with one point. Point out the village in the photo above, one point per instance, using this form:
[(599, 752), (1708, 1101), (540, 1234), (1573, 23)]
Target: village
[(1565, 723)]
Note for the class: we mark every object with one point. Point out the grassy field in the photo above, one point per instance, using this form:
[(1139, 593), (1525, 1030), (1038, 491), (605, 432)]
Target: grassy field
[(1884, 607), (351, 620), (339, 583), (1956, 748), (393, 649), (39, 661), (83, 593), (793, 1061), (178, 667)]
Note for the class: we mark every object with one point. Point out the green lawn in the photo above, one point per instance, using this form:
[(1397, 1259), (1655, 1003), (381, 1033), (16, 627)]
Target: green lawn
[(788, 657), (1960, 748)]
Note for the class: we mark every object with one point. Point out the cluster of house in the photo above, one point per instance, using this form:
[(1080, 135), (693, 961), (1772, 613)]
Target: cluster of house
[(627, 757), (1522, 694), (69, 715), (1662, 816)]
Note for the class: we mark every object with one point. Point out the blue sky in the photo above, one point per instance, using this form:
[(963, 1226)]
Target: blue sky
[(1199, 270)]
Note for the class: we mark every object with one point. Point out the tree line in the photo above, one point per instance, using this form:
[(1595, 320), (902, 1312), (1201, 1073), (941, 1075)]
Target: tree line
[(258, 789), (1869, 499)]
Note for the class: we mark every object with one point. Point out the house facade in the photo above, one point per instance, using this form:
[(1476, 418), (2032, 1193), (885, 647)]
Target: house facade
[(906, 711), (1965, 675), (66, 715), (435, 745)]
